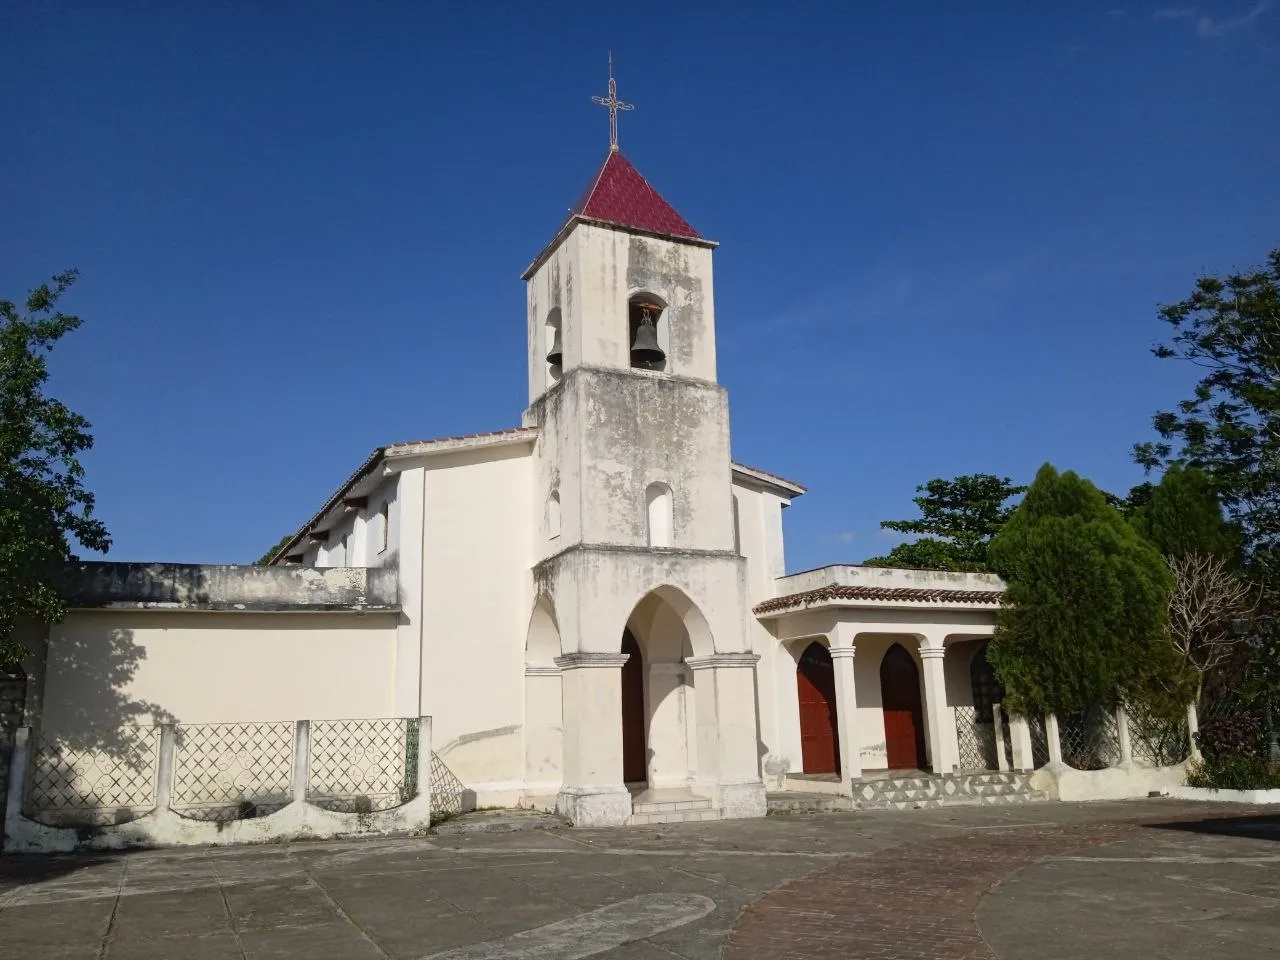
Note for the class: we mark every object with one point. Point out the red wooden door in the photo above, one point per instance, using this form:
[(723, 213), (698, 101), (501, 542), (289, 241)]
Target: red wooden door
[(903, 714), (635, 769), (816, 690)]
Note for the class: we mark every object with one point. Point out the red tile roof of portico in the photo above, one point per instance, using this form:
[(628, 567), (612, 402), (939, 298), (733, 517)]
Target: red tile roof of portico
[(880, 594)]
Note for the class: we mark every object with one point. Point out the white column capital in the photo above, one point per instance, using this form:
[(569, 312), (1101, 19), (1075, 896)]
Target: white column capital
[(932, 653), (579, 661), (541, 670), (741, 659), (838, 653)]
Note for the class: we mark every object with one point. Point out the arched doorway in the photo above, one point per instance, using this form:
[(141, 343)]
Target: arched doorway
[(903, 713), (816, 692), (634, 747)]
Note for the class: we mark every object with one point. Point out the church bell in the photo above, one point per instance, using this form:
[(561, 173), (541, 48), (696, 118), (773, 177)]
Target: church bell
[(645, 351), (555, 356)]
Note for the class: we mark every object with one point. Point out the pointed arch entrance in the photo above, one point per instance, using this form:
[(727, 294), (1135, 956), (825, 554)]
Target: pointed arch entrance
[(816, 693), (903, 711), (634, 721)]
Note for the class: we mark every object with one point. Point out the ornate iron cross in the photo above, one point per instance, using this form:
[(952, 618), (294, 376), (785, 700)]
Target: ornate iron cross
[(614, 105)]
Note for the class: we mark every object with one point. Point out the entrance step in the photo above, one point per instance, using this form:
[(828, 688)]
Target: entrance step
[(794, 801), (670, 806), (896, 793), (883, 792)]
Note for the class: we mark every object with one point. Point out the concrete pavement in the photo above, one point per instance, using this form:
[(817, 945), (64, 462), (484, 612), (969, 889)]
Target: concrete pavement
[(681, 890)]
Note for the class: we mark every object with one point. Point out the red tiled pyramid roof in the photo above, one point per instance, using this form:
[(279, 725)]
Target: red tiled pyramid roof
[(618, 194)]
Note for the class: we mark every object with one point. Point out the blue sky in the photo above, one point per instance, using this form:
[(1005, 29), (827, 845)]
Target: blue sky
[(944, 228)]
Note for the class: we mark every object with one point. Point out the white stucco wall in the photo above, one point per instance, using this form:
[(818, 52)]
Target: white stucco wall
[(111, 668), (476, 602)]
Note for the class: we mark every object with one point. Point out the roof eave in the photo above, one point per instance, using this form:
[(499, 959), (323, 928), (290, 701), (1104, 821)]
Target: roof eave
[(771, 480), (396, 451), (810, 605), (577, 218)]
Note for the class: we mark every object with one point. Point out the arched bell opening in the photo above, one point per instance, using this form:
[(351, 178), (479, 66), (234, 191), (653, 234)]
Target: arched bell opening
[(552, 337), (647, 332)]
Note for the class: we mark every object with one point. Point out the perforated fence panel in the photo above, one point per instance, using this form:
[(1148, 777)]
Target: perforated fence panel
[(106, 777), (1090, 740), (358, 766), (230, 771), (976, 740)]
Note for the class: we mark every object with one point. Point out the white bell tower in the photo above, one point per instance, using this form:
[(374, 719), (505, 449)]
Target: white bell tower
[(636, 535)]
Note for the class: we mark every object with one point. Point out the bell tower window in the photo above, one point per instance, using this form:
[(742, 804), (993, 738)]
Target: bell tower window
[(554, 346), (553, 515), (648, 333), (658, 500)]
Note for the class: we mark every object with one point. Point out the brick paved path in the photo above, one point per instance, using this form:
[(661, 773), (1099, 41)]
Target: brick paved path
[(915, 901)]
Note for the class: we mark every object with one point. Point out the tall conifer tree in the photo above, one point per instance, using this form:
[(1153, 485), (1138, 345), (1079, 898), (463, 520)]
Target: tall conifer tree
[(1086, 608)]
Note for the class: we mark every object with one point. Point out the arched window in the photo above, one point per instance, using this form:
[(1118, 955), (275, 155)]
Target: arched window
[(658, 500), (554, 347), (737, 526), (648, 332), (553, 515), (384, 526)]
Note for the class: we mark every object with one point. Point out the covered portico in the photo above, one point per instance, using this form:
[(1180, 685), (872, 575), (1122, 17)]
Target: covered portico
[(870, 665)]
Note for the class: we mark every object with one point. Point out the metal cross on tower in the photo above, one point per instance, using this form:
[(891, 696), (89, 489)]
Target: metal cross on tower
[(614, 105)]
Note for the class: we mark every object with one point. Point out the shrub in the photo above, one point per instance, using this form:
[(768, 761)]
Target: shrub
[(1236, 735), (1235, 755), (1234, 773)]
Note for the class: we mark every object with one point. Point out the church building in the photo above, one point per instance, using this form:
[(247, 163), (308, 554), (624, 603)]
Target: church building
[(593, 606), (644, 633)]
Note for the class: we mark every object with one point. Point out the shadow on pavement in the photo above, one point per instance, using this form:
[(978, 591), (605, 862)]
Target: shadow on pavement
[(1256, 826), (18, 869)]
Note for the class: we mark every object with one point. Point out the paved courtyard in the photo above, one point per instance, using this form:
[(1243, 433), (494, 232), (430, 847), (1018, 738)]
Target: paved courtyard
[(1096, 881)]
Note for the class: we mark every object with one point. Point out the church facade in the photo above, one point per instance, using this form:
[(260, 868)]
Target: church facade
[(644, 634), (592, 606)]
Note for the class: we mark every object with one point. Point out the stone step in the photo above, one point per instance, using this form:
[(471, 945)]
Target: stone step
[(789, 802), (674, 816), (671, 806)]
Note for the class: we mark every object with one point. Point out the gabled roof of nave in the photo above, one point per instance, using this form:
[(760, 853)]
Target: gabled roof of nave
[(493, 438)]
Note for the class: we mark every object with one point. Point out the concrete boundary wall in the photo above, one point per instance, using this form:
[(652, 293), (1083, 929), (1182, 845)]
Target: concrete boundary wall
[(163, 826)]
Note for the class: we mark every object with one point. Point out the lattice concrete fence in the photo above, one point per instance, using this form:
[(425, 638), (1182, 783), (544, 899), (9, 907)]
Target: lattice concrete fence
[(217, 783), (1107, 752)]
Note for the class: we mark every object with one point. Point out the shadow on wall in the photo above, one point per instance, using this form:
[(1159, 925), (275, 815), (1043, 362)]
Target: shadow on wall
[(90, 708)]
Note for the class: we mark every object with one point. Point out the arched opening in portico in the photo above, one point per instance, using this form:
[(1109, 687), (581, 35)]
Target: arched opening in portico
[(659, 745), (904, 722), (816, 695)]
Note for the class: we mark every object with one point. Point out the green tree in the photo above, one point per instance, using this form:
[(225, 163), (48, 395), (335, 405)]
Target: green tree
[(263, 560), (1086, 608), (958, 519), (43, 503), (1182, 516), (1230, 426)]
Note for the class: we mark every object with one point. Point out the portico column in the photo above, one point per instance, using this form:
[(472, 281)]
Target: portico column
[(592, 793), (846, 708), (724, 691), (935, 695)]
